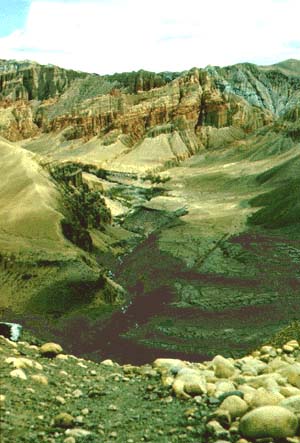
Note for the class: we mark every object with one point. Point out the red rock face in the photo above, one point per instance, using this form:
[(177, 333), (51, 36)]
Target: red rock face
[(17, 121), (216, 98)]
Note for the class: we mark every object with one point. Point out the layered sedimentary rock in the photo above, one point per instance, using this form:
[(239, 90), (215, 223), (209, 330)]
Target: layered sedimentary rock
[(17, 120), (199, 108)]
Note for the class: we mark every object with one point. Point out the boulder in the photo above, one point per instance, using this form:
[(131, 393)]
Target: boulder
[(64, 420), (264, 398), (107, 362), (215, 429), (19, 362), (235, 405), (277, 363), (293, 343), (292, 373), (269, 421), (18, 373), (292, 403), (267, 349), (288, 349), (170, 364), (189, 382), (252, 366), (223, 386), (41, 379), (223, 367), (289, 391), (50, 350), (270, 382)]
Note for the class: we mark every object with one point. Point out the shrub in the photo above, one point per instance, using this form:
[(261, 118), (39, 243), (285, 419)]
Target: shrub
[(156, 178), (83, 209)]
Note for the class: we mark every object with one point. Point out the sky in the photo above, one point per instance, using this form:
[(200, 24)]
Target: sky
[(107, 36)]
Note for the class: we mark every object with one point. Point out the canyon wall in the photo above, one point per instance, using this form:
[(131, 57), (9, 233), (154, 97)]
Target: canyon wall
[(201, 107)]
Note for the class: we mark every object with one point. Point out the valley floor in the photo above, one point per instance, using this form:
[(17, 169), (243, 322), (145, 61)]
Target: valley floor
[(212, 280)]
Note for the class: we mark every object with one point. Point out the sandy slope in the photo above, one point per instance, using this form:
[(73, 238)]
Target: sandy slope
[(38, 266), (150, 154), (28, 201)]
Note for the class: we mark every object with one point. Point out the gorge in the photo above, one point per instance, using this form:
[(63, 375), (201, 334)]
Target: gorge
[(150, 214)]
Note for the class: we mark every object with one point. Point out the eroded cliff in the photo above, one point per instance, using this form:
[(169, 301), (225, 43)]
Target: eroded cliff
[(142, 120)]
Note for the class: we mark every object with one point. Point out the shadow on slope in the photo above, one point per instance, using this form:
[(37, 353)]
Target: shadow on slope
[(280, 207), (40, 271)]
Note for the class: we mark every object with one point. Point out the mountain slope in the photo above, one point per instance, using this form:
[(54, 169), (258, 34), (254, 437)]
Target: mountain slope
[(28, 201), (40, 270), (287, 67)]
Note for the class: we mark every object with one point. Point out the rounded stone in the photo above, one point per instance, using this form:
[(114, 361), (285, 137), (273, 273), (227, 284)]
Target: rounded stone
[(269, 421), (223, 367), (107, 362), (237, 392), (18, 373), (50, 350), (235, 405), (289, 391), (170, 364), (189, 382), (292, 373), (224, 386), (62, 357), (288, 349), (293, 343), (19, 362), (292, 403), (64, 420), (77, 432), (266, 349), (41, 379), (264, 398)]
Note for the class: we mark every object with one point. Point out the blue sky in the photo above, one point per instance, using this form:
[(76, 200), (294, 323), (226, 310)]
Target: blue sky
[(107, 36), (13, 14)]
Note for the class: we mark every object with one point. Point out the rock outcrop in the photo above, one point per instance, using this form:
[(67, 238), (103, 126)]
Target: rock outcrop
[(200, 108), (31, 81)]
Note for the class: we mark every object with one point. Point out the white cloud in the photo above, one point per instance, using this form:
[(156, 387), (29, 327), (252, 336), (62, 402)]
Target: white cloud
[(121, 35)]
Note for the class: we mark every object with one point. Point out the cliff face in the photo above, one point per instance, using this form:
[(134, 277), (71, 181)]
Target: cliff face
[(31, 81), (17, 120), (204, 108), (267, 89)]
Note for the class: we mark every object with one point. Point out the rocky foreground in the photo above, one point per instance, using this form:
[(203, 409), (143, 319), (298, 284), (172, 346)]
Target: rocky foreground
[(48, 396)]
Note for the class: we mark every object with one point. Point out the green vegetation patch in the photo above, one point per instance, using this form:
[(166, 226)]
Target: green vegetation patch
[(80, 90), (133, 82), (83, 209), (75, 286), (290, 332), (280, 207)]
